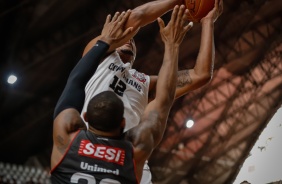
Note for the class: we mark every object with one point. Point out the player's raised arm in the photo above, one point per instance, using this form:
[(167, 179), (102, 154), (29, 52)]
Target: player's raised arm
[(147, 135), (201, 74), (141, 16), (67, 111), (113, 32)]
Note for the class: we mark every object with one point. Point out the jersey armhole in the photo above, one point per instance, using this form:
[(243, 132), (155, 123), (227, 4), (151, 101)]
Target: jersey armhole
[(54, 168)]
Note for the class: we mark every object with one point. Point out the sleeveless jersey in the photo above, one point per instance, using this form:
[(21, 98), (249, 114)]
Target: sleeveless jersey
[(92, 159), (130, 85)]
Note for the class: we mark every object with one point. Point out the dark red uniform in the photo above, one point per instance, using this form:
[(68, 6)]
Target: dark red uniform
[(91, 159)]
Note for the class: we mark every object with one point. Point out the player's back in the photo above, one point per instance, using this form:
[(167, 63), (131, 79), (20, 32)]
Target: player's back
[(93, 159)]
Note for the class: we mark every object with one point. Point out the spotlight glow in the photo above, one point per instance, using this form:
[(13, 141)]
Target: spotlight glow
[(189, 123), (12, 79)]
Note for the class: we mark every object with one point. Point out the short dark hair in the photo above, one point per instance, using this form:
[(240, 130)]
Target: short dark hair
[(105, 111)]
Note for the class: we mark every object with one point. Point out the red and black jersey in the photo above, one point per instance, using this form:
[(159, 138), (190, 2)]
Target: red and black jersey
[(91, 159)]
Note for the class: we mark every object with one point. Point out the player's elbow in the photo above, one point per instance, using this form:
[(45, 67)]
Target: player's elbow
[(207, 78), (204, 79)]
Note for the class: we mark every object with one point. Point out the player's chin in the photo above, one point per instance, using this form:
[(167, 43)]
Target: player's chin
[(127, 52), (126, 58)]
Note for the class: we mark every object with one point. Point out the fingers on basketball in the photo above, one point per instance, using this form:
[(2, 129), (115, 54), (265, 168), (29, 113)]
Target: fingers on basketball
[(198, 9)]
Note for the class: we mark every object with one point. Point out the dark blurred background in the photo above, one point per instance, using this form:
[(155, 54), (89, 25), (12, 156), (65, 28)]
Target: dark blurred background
[(42, 40)]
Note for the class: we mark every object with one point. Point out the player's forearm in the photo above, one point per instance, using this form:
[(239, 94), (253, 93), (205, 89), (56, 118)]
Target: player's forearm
[(73, 93), (201, 74), (141, 16), (149, 12), (205, 60), (167, 78)]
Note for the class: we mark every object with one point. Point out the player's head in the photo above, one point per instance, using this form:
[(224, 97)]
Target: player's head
[(127, 52), (105, 112)]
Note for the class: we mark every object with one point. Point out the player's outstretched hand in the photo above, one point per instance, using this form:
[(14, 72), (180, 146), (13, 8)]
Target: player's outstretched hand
[(177, 27), (113, 31), (215, 12)]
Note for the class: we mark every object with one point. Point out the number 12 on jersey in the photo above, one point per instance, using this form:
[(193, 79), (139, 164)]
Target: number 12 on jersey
[(118, 86)]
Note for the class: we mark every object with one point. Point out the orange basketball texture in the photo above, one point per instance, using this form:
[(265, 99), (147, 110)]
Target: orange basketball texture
[(198, 8)]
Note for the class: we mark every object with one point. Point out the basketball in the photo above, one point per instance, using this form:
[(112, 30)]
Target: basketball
[(198, 9)]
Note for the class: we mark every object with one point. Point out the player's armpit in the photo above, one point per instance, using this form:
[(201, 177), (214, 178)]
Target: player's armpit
[(183, 78)]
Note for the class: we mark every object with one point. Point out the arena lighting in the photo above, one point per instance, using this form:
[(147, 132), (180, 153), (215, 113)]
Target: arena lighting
[(12, 79), (189, 123)]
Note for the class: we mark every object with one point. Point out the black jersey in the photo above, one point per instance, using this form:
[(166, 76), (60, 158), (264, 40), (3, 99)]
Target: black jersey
[(91, 159)]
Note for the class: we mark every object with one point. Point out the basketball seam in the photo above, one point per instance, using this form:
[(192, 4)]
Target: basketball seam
[(200, 6), (193, 17)]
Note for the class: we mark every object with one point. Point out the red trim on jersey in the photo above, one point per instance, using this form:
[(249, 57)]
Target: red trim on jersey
[(52, 170)]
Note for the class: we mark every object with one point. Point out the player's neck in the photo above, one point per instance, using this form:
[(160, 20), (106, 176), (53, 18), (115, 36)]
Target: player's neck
[(115, 133)]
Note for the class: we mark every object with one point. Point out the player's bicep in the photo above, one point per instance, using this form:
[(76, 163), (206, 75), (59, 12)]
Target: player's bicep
[(143, 143), (67, 122), (153, 119), (147, 135)]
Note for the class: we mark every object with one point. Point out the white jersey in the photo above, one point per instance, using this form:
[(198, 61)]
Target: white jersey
[(130, 85)]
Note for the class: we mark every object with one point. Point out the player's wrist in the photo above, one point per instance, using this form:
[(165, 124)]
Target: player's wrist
[(172, 49), (103, 44), (106, 40), (172, 45), (207, 21)]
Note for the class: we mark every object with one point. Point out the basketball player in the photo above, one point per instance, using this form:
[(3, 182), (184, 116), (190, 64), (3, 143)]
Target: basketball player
[(100, 154), (137, 89)]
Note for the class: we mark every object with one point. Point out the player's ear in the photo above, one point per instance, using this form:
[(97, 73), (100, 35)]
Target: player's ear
[(85, 117), (123, 123)]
